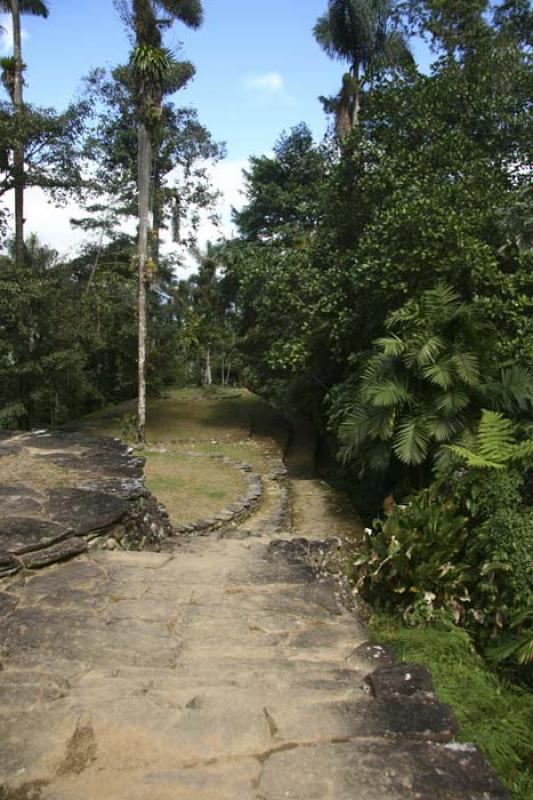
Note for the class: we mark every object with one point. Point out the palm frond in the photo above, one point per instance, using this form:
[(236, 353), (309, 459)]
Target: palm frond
[(381, 423), (379, 456), (518, 382), (35, 8), (354, 430), (440, 374), (424, 350), (411, 441), (442, 430), (190, 12), (452, 401), (467, 367), (439, 299), (387, 393), (390, 345)]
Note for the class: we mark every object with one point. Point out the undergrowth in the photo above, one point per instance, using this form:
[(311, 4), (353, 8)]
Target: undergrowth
[(492, 713)]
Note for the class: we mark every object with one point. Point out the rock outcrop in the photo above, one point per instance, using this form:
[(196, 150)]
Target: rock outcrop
[(72, 492)]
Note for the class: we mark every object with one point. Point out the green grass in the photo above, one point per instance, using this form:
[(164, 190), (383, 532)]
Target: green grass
[(492, 713), (192, 488), (182, 415), (229, 422)]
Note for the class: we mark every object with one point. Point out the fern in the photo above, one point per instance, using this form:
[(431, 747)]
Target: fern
[(494, 445)]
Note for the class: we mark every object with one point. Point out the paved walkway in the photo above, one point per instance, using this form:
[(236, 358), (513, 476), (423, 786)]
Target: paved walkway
[(219, 670)]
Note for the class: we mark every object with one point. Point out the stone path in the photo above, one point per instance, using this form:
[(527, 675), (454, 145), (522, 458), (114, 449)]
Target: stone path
[(219, 669)]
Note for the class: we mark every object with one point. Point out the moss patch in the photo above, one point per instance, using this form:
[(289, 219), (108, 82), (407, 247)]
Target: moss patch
[(492, 713)]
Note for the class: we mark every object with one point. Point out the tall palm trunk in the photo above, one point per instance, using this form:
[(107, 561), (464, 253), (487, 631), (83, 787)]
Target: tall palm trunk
[(144, 174), (356, 107), (19, 146)]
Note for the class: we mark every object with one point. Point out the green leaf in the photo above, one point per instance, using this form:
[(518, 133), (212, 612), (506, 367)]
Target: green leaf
[(467, 367), (452, 402), (411, 440), (387, 393), (391, 345), (440, 374)]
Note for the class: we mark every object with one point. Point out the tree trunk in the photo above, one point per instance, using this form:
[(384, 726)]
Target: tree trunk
[(19, 146), (357, 96), (208, 378), (157, 210), (144, 172)]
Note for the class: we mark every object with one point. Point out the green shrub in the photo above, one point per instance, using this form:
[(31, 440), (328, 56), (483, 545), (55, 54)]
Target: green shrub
[(415, 559), (427, 559)]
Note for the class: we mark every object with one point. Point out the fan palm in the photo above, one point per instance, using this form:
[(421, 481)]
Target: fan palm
[(14, 83), (151, 64), (359, 32), (426, 383)]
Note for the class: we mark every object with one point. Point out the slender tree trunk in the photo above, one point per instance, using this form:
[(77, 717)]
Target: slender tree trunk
[(357, 96), (157, 210), (144, 172), (208, 378), (19, 146)]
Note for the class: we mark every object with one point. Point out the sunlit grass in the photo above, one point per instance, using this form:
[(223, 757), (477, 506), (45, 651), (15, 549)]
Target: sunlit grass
[(191, 487)]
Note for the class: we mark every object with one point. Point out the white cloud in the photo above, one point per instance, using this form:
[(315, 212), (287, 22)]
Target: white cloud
[(269, 82), (52, 224), (227, 177), (49, 222), (6, 34)]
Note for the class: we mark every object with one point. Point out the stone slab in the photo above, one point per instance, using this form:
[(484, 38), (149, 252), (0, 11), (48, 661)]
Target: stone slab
[(57, 552), (24, 534), (8, 565), (84, 510)]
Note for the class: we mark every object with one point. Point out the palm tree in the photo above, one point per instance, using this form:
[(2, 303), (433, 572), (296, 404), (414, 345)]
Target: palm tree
[(361, 33), (425, 383), (14, 83), (152, 65)]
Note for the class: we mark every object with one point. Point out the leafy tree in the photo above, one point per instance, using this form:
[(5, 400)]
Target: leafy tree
[(454, 26), (182, 148), (12, 78), (362, 33), (284, 190)]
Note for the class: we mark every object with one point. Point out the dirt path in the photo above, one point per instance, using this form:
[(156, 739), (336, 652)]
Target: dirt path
[(222, 669)]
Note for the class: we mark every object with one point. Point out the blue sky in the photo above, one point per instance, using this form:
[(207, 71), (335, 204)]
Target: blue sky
[(259, 70)]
